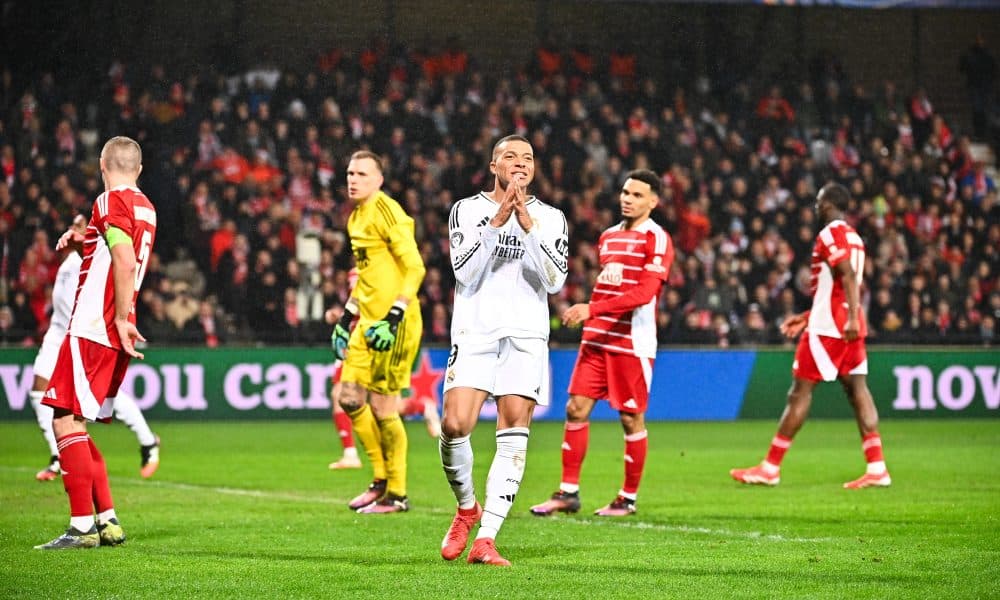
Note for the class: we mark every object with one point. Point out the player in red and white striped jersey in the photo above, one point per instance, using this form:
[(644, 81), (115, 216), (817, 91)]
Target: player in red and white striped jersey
[(102, 334), (831, 345), (619, 343)]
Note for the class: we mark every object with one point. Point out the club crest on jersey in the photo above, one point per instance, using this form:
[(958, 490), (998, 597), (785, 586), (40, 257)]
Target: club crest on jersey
[(456, 239), (611, 274)]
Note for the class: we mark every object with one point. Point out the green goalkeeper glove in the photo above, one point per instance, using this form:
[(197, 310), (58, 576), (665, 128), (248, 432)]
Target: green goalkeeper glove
[(382, 334), (342, 335)]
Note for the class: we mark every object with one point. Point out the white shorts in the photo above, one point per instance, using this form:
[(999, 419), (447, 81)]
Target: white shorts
[(507, 366), (45, 362)]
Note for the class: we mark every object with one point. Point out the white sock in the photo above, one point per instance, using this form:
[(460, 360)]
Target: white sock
[(569, 488), (876, 468), (504, 479), (456, 458), (128, 412), (351, 452), (105, 516), (44, 416), (83, 524), (769, 468)]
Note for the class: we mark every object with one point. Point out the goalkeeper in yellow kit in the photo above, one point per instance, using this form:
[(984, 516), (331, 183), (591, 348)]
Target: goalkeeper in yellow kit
[(385, 341)]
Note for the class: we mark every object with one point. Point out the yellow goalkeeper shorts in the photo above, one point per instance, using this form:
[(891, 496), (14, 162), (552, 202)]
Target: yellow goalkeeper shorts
[(384, 372)]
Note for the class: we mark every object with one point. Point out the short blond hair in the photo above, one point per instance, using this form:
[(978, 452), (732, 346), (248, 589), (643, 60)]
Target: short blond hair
[(360, 154), (122, 154)]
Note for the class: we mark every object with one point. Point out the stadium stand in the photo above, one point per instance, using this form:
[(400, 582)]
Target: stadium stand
[(247, 172)]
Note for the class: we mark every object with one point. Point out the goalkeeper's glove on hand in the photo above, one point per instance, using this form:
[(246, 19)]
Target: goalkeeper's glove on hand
[(382, 334), (342, 335)]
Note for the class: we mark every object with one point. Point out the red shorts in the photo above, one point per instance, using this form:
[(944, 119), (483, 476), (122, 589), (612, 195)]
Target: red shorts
[(338, 368), (622, 379), (85, 376), (821, 358)]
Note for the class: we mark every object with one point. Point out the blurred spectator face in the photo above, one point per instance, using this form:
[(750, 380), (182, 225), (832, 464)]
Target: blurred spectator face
[(364, 178)]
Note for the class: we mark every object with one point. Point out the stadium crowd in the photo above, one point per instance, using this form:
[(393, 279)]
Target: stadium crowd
[(247, 173)]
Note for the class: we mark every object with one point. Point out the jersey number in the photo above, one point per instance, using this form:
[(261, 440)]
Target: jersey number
[(142, 259)]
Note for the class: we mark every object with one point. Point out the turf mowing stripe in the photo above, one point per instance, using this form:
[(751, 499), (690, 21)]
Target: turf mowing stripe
[(264, 494)]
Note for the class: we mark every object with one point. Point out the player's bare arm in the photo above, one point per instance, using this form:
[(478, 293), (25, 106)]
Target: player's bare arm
[(849, 279), (123, 272), (793, 325)]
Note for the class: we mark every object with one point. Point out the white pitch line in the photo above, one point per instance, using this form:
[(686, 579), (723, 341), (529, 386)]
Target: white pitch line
[(753, 535), (269, 495)]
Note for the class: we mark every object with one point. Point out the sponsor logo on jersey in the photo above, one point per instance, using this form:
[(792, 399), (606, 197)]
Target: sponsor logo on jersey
[(611, 274)]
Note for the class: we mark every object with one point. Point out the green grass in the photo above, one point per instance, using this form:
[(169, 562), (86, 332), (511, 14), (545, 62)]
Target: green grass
[(241, 510)]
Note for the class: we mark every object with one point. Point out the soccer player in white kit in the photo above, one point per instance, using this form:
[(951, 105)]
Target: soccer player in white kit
[(126, 410), (509, 251)]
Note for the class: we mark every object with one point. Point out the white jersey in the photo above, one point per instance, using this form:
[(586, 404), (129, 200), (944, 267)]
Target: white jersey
[(503, 275), (64, 292)]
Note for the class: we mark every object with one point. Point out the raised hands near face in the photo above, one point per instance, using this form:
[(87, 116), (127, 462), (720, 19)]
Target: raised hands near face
[(519, 192)]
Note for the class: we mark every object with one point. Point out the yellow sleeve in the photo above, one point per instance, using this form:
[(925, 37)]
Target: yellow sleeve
[(403, 246)]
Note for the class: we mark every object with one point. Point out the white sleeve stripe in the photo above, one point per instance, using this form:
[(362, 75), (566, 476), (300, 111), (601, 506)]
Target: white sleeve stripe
[(144, 213), (661, 241), (826, 236), (464, 259), (606, 332)]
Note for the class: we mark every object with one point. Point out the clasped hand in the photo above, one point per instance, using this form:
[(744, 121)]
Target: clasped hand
[(514, 202)]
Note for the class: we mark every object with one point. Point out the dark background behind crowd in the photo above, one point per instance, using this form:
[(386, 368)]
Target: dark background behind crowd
[(246, 167)]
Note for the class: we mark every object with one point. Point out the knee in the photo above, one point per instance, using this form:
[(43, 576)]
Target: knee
[(383, 412), (574, 414), (351, 398), (632, 423), (453, 427)]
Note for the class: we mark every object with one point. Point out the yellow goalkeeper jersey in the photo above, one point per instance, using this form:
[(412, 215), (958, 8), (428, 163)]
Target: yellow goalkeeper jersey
[(385, 251)]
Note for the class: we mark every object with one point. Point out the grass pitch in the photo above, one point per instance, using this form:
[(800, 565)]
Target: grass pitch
[(249, 509)]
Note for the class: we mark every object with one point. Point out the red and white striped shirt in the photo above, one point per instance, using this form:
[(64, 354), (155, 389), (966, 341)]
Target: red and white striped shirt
[(634, 265), (835, 243), (129, 210)]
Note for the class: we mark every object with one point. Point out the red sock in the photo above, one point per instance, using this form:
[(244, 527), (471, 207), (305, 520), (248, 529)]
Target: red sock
[(77, 467), (576, 436), (871, 443), (101, 488), (342, 421), (636, 445), (779, 445)]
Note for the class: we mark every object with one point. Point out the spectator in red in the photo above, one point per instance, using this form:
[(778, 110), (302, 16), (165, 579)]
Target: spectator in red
[(921, 115), (548, 61), (623, 65), (231, 164), (454, 61), (775, 108), (221, 242)]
